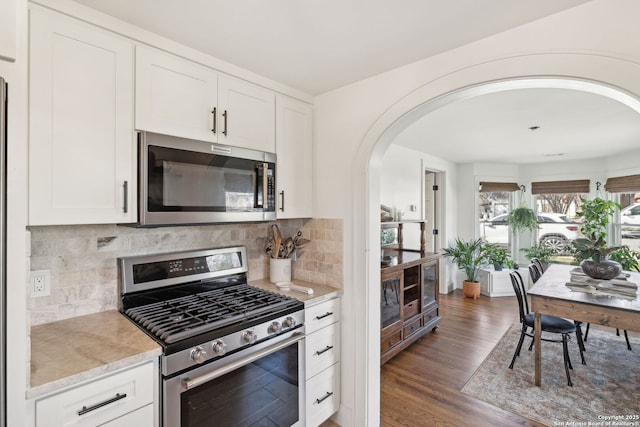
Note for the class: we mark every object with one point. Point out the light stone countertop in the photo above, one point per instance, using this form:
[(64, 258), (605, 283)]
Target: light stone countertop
[(320, 292), (70, 351)]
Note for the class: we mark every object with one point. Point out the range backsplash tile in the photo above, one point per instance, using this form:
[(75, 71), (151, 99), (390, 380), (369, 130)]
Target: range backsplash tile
[(84, 274)]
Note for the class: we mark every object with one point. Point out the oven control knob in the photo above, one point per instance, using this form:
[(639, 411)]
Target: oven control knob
[(289, 322), (249, 337), (198, 355), (219, 348), (275, 328)]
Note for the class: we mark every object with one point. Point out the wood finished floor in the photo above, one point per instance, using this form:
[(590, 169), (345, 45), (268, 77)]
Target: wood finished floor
[(421, 386)]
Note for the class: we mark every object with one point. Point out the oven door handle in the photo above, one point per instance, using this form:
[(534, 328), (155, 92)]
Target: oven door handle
[(189, 383)]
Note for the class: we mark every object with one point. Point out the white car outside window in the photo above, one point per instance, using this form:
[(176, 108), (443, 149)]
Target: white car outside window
[(556, 230)]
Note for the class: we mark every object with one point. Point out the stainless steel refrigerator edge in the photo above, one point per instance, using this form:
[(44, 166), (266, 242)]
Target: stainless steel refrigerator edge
[(3, 243)]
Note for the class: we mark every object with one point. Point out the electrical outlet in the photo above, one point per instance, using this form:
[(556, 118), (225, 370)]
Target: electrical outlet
[(40, 283)]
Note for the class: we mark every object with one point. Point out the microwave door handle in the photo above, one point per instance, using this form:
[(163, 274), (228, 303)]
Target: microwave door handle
[(265, 184)]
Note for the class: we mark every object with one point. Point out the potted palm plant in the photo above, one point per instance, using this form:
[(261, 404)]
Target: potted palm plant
[(470, 256)]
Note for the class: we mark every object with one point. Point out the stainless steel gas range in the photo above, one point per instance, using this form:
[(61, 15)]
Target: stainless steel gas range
[(233, 354)]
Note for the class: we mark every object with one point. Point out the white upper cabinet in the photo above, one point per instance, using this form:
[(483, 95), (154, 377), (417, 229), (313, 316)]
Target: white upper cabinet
[(175, 96), (8, 29), (81, 142), (246, 115), (294, 151)]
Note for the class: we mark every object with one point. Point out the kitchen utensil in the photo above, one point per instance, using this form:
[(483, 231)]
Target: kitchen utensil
[(289, 286), (278, 241)]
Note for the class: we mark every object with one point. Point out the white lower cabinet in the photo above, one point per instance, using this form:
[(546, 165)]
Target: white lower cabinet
[(122, 399), (322, 361)]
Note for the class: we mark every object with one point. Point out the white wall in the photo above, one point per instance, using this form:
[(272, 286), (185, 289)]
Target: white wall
[(594, 41)]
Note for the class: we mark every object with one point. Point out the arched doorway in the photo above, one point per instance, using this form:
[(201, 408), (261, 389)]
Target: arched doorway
[(472, 81)]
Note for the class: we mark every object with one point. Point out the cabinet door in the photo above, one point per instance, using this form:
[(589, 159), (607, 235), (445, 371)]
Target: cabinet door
[(430, 284), (81, 143), (246, 115), (294, 150), (390, 300), (175, 96), (8, 29)]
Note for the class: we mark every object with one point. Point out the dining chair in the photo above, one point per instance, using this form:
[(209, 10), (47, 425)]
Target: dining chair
[(549, 325), (534, 272), (626, 336), (537, 263)]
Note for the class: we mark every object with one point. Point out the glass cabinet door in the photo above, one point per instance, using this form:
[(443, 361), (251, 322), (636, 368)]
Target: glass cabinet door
[(390, 300), (429, 283)]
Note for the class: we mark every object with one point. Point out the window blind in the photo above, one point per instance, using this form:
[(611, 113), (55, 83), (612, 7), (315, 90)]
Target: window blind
[(623, 184), (555, 187)]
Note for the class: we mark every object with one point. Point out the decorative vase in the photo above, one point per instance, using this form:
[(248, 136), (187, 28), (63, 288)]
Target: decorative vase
[(471, 289), (604, 270), (279, 270)]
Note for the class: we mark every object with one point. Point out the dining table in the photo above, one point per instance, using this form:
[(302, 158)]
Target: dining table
[(550, 296)]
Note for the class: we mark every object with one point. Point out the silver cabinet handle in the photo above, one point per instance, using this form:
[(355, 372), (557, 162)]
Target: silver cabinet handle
[(86, 409), (282, 200), (213, 129)]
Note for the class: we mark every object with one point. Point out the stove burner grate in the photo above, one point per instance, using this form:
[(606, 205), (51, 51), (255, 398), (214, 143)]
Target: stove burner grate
[(183, 317)]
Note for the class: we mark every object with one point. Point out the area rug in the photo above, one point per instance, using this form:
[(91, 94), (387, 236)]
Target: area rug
[(606, 391)]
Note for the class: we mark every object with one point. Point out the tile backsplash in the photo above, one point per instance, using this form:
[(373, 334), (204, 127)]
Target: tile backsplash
[(82, 258)]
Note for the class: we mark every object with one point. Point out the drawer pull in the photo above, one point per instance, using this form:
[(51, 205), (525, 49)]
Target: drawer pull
[(324, 350), (391, 342), (327, 314), (86, 409), (325, 397)]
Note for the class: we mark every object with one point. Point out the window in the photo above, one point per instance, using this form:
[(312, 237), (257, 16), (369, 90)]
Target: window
[(556, 203), (496, 199), (626, 226)]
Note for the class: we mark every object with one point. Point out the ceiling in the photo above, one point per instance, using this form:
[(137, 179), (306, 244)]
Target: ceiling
[(318, 46), (568, 125)]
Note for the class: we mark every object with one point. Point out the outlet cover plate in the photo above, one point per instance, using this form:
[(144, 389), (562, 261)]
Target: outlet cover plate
[(40, 283)]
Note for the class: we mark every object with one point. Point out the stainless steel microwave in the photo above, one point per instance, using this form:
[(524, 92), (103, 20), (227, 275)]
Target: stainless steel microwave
[(183, 181)]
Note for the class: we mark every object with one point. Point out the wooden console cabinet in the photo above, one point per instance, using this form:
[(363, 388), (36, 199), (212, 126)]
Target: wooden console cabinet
[(409, 299)]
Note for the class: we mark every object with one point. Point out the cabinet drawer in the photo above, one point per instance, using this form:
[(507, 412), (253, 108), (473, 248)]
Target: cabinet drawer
[(322, 349), (321, 315), (410, 309), (99, 401), (390, 341), (411, 327), (323, 395), (430, 315)]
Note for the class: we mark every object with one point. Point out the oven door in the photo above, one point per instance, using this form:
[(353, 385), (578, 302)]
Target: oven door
[(260, 385), (183, 181)]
